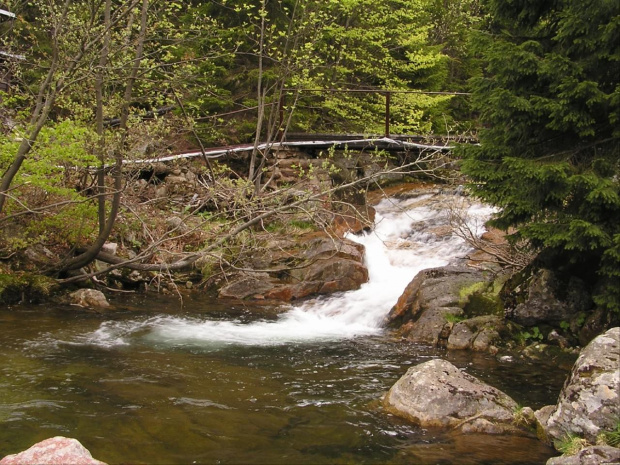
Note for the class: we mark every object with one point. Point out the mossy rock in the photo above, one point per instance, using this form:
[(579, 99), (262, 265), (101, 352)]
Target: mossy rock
[(18, 287), (482, 298)]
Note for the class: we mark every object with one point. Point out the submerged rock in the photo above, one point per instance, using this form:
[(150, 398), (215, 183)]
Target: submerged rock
[(54, 451), (438, 394), (589, 403)]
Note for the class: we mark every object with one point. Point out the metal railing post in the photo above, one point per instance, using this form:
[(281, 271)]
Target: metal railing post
[(387, 113)]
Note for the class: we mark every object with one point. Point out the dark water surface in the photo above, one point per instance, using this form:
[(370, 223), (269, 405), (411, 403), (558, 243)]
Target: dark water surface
[(305, 403)]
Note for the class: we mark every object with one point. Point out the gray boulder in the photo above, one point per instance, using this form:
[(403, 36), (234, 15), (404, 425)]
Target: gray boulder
[(478, 333), (433, 288), (549, 299), (438, 394), (593, 455), (54, 451), (589, 403)]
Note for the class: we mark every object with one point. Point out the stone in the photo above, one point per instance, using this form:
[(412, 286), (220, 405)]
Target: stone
[(246, 286), (461, 337), (548, 299), (337, 274), (478, 333), (88, 298), (431, 324), (110, 247), (433, 288), (327, 247), (438, 394), (54, 451), (176, 224), (593, 455), (589, 403)]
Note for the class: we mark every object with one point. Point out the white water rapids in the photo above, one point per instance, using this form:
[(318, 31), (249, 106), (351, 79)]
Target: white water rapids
[(409, 235)]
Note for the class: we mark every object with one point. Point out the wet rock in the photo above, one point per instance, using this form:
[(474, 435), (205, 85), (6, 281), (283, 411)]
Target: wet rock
[(593, 455), (590, 400), (88, 298), (433, 288), (337, 275), (478, 333), (247, 285), (323, 265), (438, 394), (547, 299), (54, 451), (327, 247), (431, 325)]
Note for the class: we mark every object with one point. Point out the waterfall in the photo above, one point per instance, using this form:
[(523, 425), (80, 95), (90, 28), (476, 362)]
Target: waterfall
[(409, 235)]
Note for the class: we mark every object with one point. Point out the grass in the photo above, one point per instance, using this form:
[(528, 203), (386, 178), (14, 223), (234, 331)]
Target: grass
[(570, 444), (611, 438)]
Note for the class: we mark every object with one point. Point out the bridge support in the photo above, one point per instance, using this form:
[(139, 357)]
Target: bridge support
[(388, 96)]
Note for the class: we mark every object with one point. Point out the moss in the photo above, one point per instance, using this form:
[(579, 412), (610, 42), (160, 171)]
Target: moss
[(466, 292), (481, 298), (17, 287)]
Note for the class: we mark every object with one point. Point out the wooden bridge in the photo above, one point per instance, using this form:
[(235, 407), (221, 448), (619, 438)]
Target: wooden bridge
[(316, 142)]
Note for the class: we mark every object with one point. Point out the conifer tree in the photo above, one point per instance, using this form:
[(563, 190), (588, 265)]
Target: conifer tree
[(549, 155)]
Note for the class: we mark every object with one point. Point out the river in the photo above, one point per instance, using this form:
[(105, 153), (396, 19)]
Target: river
[(155, 380)]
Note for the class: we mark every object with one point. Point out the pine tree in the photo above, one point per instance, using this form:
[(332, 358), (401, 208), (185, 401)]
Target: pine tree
[(549, 154)]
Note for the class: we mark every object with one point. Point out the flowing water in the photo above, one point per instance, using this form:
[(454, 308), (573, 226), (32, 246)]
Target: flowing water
[(152, 381)]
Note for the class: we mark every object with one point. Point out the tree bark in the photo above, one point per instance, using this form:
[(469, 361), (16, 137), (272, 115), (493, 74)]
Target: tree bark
[(90, 254)]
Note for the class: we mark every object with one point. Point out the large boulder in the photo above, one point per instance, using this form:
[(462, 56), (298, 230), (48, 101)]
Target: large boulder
[(434, 288), (435, 306), (54, 451), (326, 265), (438, 394), (545, 297), (589, 403)]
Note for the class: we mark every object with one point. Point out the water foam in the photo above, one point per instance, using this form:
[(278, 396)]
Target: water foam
[(409, 236)]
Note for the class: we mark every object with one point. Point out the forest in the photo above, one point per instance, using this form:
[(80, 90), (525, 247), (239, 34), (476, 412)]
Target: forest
[(91, 86), (228, 227)]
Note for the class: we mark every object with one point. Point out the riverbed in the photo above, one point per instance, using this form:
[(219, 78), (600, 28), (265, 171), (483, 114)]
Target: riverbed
[(155, 379)]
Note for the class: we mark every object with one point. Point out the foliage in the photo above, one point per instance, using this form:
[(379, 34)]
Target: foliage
[(549, 156), (612, 437), (570, 444), (533, 334)]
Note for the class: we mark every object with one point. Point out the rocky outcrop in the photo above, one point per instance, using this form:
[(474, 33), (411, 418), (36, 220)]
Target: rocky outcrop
[(88, 298), (589, 403), (435, 306), (53, 451), (438, 394), (434, 288), (593, 455), (326, 266), (544, 297)]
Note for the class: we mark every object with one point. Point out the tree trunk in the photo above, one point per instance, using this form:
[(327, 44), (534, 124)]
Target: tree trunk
[(91, 253)]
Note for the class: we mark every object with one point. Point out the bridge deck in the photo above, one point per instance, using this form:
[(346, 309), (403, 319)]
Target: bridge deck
[(314, 142)]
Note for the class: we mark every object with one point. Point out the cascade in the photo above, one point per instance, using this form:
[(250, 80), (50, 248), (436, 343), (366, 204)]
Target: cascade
[(410, 235)]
